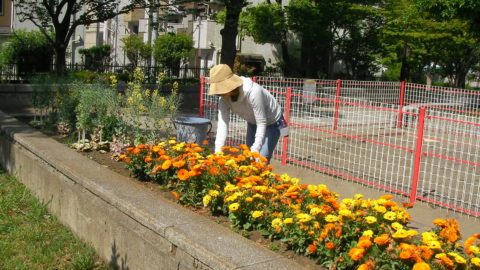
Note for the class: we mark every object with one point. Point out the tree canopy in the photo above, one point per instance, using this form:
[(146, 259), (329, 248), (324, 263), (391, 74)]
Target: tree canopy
[(169, 50), (63, 17)]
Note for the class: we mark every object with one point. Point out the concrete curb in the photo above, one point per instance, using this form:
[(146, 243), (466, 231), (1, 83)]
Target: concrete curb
[(128, 225)]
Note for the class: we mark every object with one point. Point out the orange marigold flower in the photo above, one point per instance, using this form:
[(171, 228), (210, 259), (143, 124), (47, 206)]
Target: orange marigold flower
[(329, 245), (440, 222), (136, 151), (421, 266), (148, 159), (129, 149), (175, 194), (213, 171), (204, 142), (386, 197), (312, 248), (405, 254), (364, 243), (255, 154), (166, 164), (382, 239), (183, 174), (444, 259), (427, 252), (179, 164), (243, 147), (127, 160), (122, 157), (234, 150), (407, 205), (451, 231), (197, 149), (356, 253), (367, 266), (141, 146), (156, 149)]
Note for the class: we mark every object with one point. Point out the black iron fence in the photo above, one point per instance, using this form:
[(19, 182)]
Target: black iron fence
[(183, 75)]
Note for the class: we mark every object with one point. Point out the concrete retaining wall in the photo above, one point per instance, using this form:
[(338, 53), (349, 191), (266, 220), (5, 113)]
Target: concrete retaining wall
[(127, 224)]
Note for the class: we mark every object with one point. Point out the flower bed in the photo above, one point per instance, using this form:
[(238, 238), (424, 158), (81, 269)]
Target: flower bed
[(355, 233)]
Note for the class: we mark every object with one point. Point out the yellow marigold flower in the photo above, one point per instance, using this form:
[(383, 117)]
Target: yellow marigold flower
[(288, 221), (331, 218), (390, 216), (295, 181), (459, 259), (312, 188), (229, 187), (285, 177), (345, 213), (348, 202), (380, 209), (302, 217), (428, 236), (433, 244), (231, 198), (257, 196), (315, 211), (172, 141), (401, 234), (234, 207), (368, 233), (358, 196), (397, 226), (257, 214), (475, 261), (249, 199), (370, 219), (277, 222), (206, 200), (474, 249), (213, 193)]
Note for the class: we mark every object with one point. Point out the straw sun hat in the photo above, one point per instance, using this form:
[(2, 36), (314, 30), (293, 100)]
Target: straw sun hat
[(222, 80)]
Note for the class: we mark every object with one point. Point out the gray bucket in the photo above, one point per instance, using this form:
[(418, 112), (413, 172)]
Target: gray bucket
[(192, 129)]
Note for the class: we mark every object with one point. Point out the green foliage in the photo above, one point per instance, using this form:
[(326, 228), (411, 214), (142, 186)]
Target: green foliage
[(31, 238), (97, 108), (30, 51), (147, 112), (137, 52), (96, 57), (63, 17), (264, 23), (169, 50), (86, 76)]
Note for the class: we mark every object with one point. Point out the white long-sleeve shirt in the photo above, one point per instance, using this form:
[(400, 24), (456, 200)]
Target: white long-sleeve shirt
[(254, 104)]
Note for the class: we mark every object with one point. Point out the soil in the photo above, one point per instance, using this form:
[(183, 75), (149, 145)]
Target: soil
[(106, 160)]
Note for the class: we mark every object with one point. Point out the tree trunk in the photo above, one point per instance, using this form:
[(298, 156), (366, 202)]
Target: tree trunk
[(460, 79), (230, 31), (286, 58), (60, 52), (404, 72)]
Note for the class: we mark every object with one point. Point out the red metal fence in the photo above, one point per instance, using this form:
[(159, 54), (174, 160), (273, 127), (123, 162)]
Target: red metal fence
[(418, 141)]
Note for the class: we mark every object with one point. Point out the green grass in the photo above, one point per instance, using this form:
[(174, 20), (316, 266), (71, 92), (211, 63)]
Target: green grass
[(31, 238)]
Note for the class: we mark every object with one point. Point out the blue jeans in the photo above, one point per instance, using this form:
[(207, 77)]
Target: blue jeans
[(272, 134)]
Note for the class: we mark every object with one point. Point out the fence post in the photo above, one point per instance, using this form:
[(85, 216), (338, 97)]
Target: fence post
[(202, 90), (337, 105), (288, 100), (418, 154), (400, 105)]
